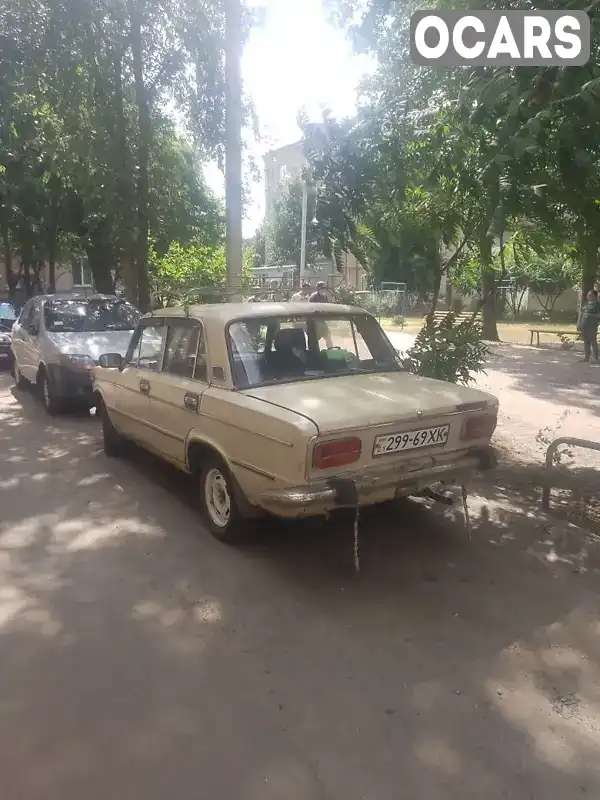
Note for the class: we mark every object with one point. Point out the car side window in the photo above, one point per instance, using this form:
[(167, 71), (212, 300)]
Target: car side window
[(147, 353), (185, 353)]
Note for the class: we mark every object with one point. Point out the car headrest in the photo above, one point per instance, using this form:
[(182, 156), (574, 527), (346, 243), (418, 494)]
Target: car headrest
[(289, 338)]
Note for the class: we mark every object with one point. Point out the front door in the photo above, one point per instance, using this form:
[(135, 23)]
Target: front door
[(176, 392), (25, 340), (134, 382)]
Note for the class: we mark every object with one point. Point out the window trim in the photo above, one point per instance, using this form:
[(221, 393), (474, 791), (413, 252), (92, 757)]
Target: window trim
[(146, 322), (187, 322), (81, 268)]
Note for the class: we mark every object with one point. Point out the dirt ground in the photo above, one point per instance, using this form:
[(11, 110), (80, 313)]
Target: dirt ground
[(140, 658)]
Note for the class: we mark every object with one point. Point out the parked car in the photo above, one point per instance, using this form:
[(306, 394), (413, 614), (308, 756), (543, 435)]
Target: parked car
[(8, 317), (57, 340), (247, 398)]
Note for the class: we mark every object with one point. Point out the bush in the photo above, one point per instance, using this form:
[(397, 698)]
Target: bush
[(449, 352)]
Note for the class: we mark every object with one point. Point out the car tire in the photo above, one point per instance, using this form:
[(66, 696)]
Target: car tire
[(219, 505), (21, 381), (50, 401), (112, 441)]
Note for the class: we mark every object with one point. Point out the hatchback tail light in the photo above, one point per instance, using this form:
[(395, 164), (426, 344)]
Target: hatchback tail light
[(336, 453), (479, 427)]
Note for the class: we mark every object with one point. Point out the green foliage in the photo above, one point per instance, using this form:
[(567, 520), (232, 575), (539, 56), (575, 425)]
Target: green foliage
[(461, 155), (184, 273), (449, 352), (90, 160), (283, 231)]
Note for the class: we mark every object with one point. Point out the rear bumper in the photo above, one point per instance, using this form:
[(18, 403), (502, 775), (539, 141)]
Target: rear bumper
[(372, 486)]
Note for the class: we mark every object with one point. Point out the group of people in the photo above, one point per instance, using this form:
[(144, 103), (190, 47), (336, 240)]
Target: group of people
[(304, 294)]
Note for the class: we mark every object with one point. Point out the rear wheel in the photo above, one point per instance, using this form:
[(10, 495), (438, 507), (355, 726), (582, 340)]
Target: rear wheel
[(219, 504), (52, 403)]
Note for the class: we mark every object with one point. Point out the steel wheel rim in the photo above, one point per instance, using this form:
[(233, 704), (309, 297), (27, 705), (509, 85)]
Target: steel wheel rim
[(217, 497)]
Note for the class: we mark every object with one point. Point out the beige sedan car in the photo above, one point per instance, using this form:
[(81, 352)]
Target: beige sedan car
[(294, 409)]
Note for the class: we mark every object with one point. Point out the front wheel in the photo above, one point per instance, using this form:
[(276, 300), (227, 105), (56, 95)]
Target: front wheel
[(219, 504), (112, 441), (20, 380), (52, 403)]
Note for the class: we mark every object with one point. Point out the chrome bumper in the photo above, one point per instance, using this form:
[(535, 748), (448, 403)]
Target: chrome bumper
[(358, 487)]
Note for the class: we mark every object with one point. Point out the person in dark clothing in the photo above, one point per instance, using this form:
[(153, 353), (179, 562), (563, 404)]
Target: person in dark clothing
[(320, 296), (589, 321)]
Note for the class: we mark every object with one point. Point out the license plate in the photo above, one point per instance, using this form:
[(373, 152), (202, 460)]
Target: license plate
[(410, 440)]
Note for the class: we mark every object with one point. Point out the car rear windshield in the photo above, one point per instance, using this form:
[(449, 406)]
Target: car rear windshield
[(265, 350), (94, 314)]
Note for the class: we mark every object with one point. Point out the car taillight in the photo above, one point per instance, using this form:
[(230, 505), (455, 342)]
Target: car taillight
[(336, 453), (480, 427)]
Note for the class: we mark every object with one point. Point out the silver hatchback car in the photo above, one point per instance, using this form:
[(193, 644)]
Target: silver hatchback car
[(57, 340)]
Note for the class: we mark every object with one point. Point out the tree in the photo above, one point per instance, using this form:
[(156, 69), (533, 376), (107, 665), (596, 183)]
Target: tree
[(283, 229), (85, 85), (525, 140)]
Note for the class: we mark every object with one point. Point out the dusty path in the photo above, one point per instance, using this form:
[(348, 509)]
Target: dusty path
[(539, 388), (141, 659)]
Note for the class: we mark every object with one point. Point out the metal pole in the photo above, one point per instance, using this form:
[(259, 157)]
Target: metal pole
[(233, 147), (303, 231)]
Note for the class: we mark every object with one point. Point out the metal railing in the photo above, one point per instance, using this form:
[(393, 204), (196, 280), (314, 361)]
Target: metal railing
[(550, 453)]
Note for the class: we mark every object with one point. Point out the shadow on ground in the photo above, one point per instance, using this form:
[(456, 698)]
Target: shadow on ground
[(549, 373), (140, 658)]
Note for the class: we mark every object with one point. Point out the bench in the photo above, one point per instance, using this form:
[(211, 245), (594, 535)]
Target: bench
[(537, 331), (464, 316)]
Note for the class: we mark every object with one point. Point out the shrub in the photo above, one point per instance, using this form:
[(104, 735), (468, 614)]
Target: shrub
[(449, 352)]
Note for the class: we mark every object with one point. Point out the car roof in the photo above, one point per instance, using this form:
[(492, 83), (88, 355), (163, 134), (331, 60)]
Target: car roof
[(78, 296), (226, 312)]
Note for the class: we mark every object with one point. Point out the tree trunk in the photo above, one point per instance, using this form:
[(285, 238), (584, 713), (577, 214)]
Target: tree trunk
[(488, 289), (136, 10), (101, 259), (588, 246), (12, 280), (126, 236), (437, 282)]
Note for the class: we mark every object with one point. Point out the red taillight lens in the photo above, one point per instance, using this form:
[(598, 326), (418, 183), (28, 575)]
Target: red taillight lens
[(336, 453), (480, 427)]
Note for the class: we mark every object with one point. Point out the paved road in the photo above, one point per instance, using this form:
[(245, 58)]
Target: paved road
[(141, 659)]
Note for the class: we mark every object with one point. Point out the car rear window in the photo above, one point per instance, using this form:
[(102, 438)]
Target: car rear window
[(94, 314), (303, 347)]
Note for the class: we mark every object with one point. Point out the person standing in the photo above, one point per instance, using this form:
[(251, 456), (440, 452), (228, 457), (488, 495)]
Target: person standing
[(275, 295), (302, 294), (320, 296), (589, 320)]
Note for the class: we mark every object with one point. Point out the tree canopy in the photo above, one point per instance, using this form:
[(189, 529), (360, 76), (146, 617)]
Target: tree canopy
[(107, 110), (439, 164)]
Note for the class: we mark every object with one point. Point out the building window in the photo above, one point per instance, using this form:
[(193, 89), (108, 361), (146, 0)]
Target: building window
[(82, 273)]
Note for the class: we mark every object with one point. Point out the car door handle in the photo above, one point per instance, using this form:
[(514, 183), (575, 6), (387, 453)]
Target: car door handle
[(191, 401), (145, 387)]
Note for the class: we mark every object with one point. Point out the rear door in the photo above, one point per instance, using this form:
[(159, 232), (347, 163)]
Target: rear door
[(176, 392), (133, 384)]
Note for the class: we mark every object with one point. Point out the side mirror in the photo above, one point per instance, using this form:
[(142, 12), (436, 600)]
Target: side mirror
[(111, 361)]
